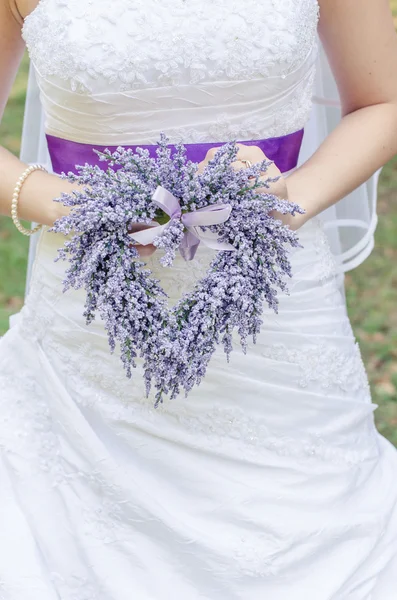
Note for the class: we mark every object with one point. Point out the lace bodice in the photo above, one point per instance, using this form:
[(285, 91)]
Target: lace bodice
[(120, 71), (148, 43)]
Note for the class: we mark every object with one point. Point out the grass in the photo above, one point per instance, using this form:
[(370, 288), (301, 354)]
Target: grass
[(371, 288), (372, 304), (393, 5), (13, 245)]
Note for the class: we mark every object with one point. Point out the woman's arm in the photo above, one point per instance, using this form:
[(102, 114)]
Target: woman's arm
[(361, 45), (39, 190), (36, 201)]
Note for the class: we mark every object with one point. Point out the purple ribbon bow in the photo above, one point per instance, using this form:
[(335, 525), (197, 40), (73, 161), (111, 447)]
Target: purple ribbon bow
[(193, 221)]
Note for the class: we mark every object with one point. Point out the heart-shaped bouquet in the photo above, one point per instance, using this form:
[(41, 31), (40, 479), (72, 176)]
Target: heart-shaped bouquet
[(221, 208)]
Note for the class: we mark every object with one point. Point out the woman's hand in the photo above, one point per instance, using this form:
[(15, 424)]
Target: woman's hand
[(62, 210), (255, 155), (251, 153)]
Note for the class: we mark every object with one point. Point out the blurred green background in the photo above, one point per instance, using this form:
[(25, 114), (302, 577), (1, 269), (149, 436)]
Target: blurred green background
[(371, 288)]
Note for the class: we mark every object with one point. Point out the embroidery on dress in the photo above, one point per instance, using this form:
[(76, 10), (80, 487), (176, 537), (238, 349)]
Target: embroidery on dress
[(255, 40)]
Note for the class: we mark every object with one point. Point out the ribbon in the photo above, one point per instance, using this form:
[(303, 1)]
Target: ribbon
[(213, 214), (66, 154)]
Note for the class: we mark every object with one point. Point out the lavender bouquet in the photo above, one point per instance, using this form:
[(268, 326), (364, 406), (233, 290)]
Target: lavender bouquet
[(220, 207)]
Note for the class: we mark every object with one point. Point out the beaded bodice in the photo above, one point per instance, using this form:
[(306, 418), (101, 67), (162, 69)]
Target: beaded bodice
[(119, 71)]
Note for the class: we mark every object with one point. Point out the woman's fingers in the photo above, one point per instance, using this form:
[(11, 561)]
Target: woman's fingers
[(147, 250), (133, 227), (255, 155), (277, 188), (252, 153), (245, 152)]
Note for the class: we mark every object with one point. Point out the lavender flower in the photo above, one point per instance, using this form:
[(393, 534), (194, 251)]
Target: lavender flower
[(176, 345)]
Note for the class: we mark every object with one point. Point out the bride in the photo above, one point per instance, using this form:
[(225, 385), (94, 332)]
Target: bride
[(270, 480)]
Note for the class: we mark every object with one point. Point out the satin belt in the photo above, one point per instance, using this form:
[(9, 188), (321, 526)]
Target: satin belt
[(66, 154)]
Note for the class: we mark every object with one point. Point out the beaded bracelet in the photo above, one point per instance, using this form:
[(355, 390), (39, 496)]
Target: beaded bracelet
[(15, 198)]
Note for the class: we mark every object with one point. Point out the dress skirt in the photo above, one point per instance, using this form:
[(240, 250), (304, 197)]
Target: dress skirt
[(269, 480)]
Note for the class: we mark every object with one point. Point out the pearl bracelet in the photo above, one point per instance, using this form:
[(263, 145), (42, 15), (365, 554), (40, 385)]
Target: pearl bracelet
[(15, 198)]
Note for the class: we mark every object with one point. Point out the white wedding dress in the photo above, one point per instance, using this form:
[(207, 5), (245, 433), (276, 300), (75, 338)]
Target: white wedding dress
[(270, 479)]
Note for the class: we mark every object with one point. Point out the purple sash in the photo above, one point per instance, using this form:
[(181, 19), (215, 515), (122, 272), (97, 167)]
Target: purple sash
[(65, 154)]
